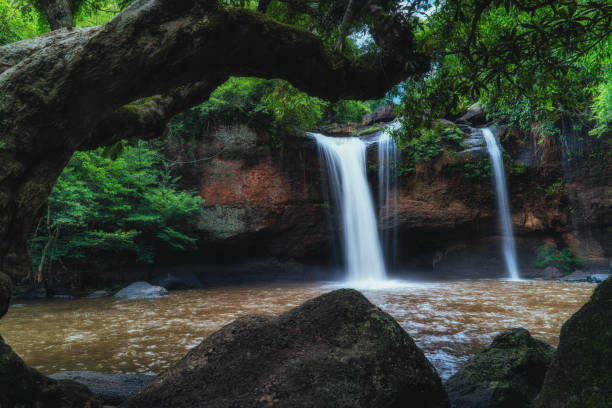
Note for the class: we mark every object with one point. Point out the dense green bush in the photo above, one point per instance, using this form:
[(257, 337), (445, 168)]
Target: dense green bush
[(128, 206), (564, 260)]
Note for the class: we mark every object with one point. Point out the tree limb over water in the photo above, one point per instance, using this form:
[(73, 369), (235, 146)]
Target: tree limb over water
[(75, 88)]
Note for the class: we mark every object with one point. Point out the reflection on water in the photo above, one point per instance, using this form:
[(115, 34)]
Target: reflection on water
[(450, 320)]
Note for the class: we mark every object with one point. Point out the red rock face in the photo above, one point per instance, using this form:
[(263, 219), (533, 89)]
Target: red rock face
[(268, 201), (231, 182)]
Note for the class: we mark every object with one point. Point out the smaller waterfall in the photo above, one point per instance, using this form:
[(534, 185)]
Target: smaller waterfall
[(503, 204), (345, 159), (388, 157)]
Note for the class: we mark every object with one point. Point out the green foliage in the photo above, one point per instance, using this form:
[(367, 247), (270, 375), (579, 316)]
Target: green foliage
[(347, 111), (554, 189), (96, 12), (529, 66), (564, 260), (19, 21), (126, 205), (479, 170), (602, 105)]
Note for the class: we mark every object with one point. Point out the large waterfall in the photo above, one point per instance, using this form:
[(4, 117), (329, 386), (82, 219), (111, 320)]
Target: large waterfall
[(345, 158), (503, 204)]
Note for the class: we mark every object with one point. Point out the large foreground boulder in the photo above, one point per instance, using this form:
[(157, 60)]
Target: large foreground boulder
[(141, 290), (24, 387), (112, 388), (581, 372), (337, 350), (507, 374)]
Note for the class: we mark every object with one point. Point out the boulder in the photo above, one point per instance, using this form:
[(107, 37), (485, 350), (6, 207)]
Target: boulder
[(113, 388), (36, 293), (474, 116), (508, 373), (385, 113), (141, 290), (550, 272), (597, 277), (172, 281), (98, 294), (576, 276), (24, 387), (580, 374), (335, 350)]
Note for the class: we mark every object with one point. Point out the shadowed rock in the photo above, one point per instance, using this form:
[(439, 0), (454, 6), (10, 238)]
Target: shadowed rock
[(580, 374), (113, 388), (24, 387), (335, 350), (141, 290), (508, 373)]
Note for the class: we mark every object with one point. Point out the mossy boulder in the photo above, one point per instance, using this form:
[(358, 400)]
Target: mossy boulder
[(507, 374), (581, 372), (25, 387), (337, 350)]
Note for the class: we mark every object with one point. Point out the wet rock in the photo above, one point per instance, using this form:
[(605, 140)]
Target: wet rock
[(141, 290), (508, 373), (335, 350), (98, 294), (580, 375), (65, 297), (36, 293), (172, 281), (598, 277), (475, 116), (385, 113), (22, 386), (6, 288), (550, 272), (113, 388), (576, 276)]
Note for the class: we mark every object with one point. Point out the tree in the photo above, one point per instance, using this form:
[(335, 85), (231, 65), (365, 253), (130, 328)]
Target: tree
[(126, 207), (82, 88)]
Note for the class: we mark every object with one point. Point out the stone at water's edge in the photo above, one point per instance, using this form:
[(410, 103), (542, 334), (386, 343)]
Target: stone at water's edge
[(337, 350), (581, 372), (24, 387), (113, 388), (507, 374), (141, 290)]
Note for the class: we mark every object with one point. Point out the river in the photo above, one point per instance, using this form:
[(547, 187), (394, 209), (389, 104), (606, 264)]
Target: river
[(450, 321)]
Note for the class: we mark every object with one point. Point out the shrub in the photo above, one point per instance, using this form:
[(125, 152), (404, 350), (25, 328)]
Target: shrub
[(564, 260)]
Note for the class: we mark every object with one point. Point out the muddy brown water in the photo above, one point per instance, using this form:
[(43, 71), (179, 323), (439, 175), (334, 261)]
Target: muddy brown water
[(450, 321)]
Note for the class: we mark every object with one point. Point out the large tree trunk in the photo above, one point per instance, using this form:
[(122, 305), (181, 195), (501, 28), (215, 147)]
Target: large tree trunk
[(58, 13), (72, 90)]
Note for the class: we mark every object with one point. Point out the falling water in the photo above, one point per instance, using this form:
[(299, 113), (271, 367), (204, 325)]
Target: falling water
[(346, 165), (502, 203), (388, 156)]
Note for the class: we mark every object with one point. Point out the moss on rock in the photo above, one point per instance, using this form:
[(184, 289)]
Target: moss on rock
[(337, 350), (506, 374)]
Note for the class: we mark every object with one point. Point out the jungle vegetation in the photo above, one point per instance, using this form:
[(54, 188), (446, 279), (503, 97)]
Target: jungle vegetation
[(535, 65)]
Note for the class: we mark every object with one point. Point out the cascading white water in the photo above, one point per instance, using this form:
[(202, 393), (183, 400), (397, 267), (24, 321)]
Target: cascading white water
[(388, 156), (345, 159), (503, 204)]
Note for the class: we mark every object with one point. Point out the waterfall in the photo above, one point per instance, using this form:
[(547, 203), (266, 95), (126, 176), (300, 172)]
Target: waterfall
[(388, 157), (345, 159), (503, 205)]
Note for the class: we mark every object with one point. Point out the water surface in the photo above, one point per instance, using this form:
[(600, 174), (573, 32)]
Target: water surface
[(450, 321)]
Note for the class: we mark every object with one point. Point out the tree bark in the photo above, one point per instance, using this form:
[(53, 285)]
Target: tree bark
[(74, 89), (58, 14)]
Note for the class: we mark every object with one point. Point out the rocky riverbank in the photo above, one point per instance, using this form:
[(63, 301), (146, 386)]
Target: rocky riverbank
[(340, 349)]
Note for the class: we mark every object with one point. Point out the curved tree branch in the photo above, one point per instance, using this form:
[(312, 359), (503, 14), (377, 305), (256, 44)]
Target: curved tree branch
[(72, 90)]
